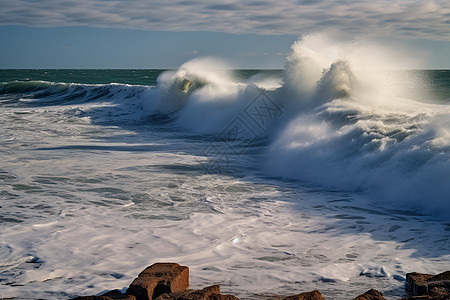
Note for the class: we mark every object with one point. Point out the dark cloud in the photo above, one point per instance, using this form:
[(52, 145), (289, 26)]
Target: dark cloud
[(427, 19)]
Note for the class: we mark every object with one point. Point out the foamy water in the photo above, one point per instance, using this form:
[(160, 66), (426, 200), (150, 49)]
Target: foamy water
[(328, 175)]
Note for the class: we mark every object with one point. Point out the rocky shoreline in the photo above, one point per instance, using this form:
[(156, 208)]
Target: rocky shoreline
[(170, 281)]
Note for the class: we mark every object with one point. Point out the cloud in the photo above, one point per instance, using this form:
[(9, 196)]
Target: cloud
[(428, 19)]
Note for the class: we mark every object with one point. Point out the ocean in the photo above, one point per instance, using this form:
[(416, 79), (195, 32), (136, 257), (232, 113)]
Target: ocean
[(327, 174)]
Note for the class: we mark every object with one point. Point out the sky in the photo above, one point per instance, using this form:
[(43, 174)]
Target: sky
[(246, 34)]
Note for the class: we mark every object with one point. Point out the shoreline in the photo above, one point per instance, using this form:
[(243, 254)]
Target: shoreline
[(170, 281)]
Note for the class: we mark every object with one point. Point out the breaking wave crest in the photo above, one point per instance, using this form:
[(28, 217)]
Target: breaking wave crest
[(335, 117), (346, 122)]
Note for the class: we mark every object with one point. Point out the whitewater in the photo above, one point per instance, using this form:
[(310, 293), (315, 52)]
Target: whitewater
[(331, 174)]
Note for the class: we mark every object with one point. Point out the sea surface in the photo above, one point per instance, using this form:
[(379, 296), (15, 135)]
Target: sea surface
[(327, 174)]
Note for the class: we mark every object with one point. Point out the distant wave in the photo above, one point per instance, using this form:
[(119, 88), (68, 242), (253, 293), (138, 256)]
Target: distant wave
[(53, 93)]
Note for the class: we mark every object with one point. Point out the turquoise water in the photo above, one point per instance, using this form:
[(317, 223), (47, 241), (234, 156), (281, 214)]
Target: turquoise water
[(435, 81), (101, 76), (133, 77)]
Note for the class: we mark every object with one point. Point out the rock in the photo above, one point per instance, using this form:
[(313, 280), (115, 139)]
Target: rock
[(314, 295), (92, 298), (439, 287), (116, 294), (441, 276), (208, 293), (111, 295), (439, 292), (158, 279), (371, 295), (426, 297), (427, 286), (417, 283)]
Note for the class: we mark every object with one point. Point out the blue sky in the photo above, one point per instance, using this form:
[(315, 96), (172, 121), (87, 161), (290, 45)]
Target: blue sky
[(246, 34)]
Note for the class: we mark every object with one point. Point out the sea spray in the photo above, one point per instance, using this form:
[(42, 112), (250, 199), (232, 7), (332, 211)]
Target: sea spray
[(353, 132), (345, 121), (201, 96)]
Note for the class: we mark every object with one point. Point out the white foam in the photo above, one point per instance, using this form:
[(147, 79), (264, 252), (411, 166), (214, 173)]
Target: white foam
[(254, 247), (353, 132), (45, 224), (17, 261)]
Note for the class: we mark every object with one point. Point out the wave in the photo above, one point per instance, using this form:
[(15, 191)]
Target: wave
[(201, 95), (340, 121), (355, 132), (335, 117), (54, 93), (397, 155)]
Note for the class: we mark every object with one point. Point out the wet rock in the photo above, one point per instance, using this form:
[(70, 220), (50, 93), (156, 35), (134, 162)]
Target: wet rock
[(374, 272), (440, 287), (371, 295), (440, 293), (427, 297), (208, 293), (417, 283), (314, 295), (92, 298), (441, 276), (116, 294), (158, 279), (427, 286), (111, 295)]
